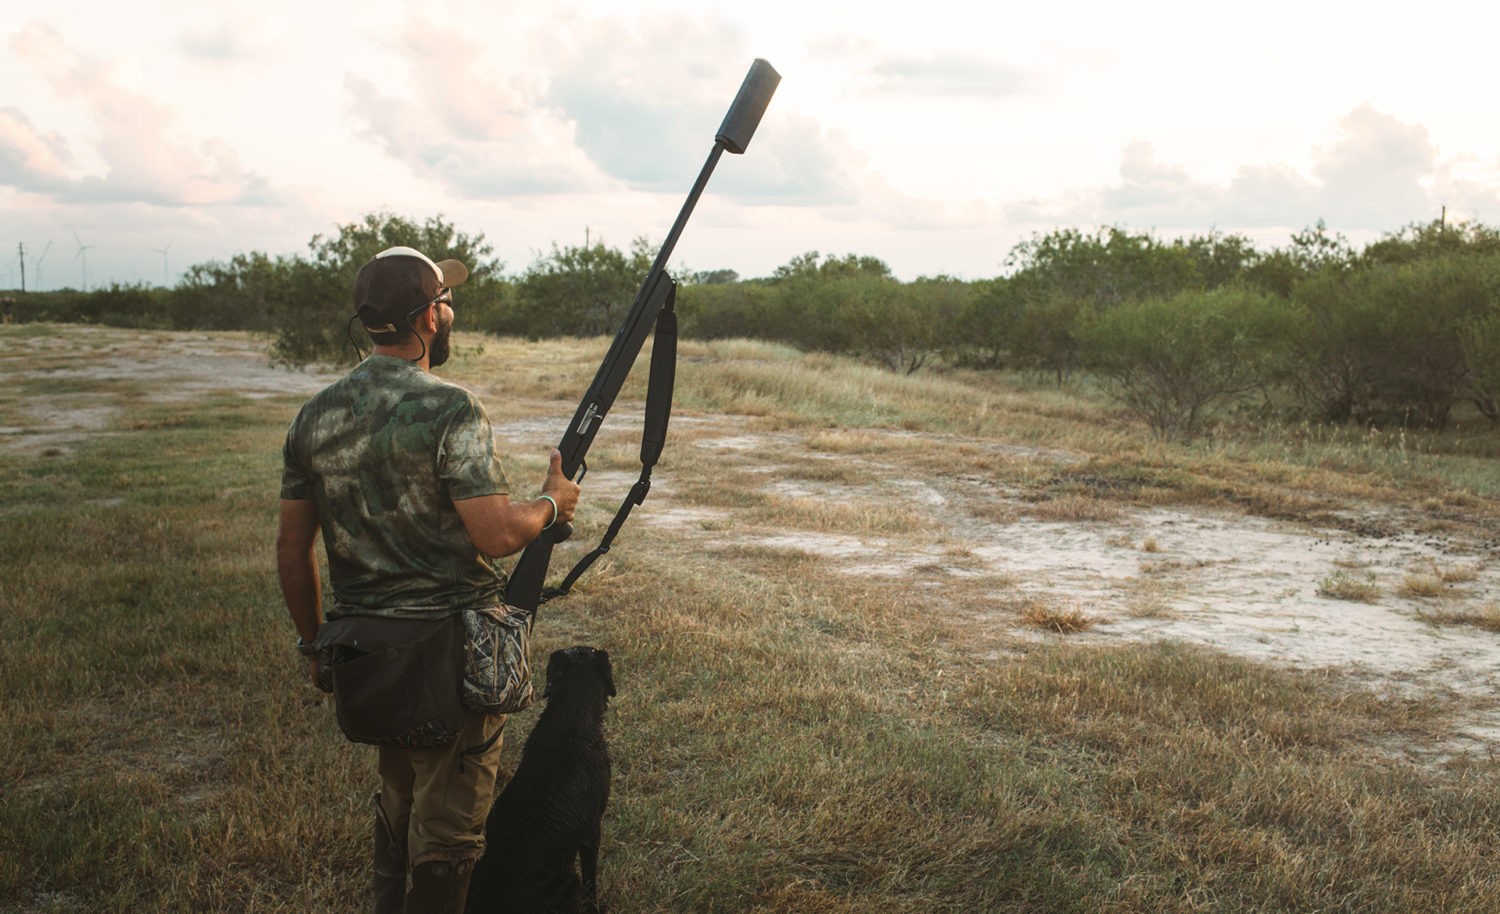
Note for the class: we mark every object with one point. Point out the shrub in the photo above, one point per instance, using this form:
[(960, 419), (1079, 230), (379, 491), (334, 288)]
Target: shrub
[(1385, 343), (1171, 360)]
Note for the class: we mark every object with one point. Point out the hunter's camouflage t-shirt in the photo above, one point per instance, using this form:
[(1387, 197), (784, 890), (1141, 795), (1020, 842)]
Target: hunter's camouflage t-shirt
[(385, 451)]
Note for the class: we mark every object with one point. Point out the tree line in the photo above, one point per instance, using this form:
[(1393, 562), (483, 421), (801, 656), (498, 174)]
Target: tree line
[(1181, 331)]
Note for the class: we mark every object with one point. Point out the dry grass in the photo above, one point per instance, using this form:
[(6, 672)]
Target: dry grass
[(1487, 618), (1342, 585), (1065, 620), (1434, 580), (887, 752), (1422, 586), (1074, 509), (1452, 574)]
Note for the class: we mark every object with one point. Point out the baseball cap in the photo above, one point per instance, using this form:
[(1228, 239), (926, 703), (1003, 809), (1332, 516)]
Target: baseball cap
[(398, 281)]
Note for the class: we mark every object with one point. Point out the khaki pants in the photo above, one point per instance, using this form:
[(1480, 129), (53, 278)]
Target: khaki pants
[(435, 801)]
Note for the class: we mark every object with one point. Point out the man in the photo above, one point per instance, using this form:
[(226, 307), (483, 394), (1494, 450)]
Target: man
[(397, 469)]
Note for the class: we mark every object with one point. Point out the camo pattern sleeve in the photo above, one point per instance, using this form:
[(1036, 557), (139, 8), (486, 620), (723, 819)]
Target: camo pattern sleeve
[(466, 457), (296, 484), (385, 451)]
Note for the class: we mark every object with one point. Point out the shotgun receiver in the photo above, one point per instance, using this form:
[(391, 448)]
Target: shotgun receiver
[(653, 307)]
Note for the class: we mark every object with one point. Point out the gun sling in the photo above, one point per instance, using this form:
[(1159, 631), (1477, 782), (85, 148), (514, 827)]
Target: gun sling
[(659, 384)]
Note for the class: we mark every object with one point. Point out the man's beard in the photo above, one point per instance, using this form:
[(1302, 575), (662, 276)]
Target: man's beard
[(441, 346)]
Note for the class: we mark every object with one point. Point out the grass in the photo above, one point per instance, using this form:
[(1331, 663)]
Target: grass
[(1486, 618), (1435, 581), (787, 738), (1064, 620), (1343, 585)]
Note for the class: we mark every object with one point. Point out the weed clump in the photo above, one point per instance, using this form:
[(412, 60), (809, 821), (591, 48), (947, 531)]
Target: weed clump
[(1063, 620), (1341, 585)]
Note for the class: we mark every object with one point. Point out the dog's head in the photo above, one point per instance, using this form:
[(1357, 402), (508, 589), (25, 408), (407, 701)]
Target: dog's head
[(576, 668)]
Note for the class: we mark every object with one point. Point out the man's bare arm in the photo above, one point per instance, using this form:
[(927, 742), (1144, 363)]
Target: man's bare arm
[(501, 527), (297, 566)]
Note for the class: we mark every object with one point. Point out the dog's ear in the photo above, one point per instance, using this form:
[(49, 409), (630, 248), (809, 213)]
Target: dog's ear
[(606, 672)]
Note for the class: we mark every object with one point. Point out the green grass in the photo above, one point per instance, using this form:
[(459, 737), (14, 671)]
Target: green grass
[(786, 739)]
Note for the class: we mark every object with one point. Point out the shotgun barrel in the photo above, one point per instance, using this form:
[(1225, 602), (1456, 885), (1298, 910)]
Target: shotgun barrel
[(527, 579)]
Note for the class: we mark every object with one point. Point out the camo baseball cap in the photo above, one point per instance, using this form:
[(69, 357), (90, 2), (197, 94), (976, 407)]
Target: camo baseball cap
[(398, 281)]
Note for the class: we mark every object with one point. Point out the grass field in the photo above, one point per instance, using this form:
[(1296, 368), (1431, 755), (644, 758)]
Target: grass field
[(794, 732)]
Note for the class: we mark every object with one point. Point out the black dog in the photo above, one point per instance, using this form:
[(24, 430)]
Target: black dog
[(550, 812)]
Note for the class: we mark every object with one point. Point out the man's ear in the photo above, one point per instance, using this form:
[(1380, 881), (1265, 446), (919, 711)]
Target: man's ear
[(427, 320)]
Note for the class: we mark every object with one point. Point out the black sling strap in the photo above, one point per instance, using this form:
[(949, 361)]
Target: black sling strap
[(653, 437)]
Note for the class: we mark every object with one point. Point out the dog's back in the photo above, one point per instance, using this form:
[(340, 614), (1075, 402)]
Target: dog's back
[(549, 815)]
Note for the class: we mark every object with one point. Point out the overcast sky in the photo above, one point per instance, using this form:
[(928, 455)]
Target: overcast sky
[(934, 135)]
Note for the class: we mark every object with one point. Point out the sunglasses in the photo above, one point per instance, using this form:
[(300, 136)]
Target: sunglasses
[(444, 297)]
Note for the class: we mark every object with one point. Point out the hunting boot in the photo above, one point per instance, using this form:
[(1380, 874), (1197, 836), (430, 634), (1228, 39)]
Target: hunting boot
[(389, 879), (439, 887)]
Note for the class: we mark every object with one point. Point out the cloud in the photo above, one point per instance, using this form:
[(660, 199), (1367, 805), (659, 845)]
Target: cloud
[(1377, 159), (646, 125), (1377, 173), (146, 157), (31, 159), (230, 36), (651, 127), (950, 76), (476, 132), (631, 135), (609, 118)]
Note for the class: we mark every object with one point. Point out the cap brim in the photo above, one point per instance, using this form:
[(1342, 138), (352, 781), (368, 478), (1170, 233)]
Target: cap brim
[(454, 273)]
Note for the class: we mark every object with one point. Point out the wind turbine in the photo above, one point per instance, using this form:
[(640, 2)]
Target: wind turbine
[(37, 266), (83, 254), (163, 253)]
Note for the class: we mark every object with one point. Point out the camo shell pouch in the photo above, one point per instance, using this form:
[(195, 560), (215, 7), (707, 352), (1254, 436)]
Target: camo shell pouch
[(497, 660)]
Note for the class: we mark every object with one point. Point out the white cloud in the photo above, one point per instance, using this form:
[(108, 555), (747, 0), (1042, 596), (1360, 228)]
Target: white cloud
[(30, 158), (1376, 166), (147, 156), (1377, 174), (950, 75)]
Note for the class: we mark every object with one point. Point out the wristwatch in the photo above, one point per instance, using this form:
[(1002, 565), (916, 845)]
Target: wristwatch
[(305, 648)]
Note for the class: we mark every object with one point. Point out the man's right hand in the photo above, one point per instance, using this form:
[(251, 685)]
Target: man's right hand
[(561, 489)]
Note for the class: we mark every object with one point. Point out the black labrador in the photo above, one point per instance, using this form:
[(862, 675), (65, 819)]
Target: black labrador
[(550, 813)]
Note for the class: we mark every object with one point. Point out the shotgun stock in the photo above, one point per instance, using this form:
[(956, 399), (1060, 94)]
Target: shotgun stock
[(525, 589)]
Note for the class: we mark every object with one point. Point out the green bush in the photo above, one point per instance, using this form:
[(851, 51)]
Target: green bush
[(1479, 337), (578, 290), (226, 296), (1173, 360), (730, 311), (1383, 343)]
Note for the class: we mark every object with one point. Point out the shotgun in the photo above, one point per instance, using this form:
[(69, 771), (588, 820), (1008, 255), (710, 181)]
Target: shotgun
[(653, 307)]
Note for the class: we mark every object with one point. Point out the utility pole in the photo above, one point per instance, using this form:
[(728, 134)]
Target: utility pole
[(21, 255)]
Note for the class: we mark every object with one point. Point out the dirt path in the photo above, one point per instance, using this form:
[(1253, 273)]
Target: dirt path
[(88, 373)]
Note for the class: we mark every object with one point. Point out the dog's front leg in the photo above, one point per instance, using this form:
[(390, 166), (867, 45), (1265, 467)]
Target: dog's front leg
[(588, 863)]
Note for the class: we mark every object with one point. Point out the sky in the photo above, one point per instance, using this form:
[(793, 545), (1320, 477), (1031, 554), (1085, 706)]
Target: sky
[(138, 139)]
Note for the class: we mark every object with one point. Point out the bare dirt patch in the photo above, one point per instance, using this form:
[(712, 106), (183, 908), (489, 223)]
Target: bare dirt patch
[(1247, 585), (78, 378)]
